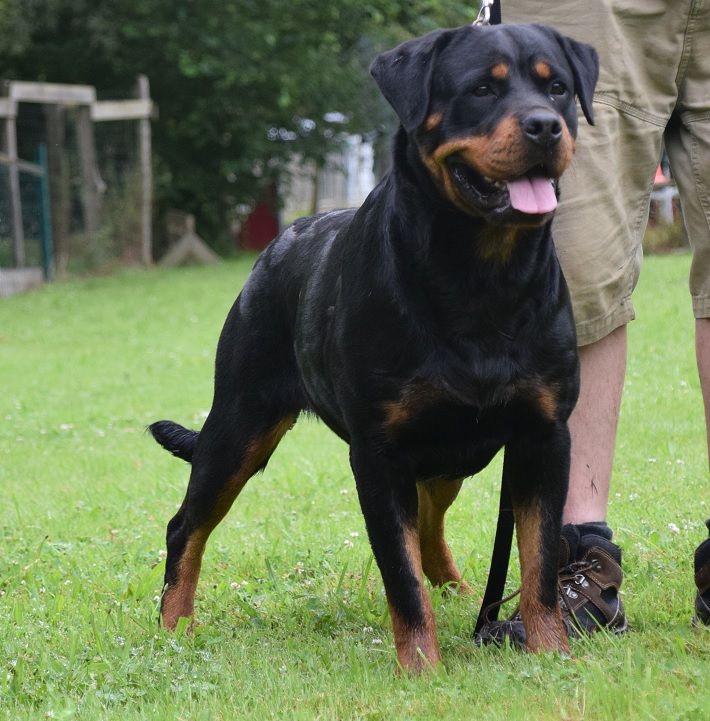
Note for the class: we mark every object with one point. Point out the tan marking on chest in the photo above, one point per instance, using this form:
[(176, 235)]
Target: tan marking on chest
[(413, 400), (542, 395), (547, 401), (498, 243)]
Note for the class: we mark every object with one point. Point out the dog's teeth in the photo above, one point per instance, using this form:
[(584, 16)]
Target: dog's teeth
[(493, 182)]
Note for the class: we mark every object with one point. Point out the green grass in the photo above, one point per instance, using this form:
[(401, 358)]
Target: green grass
[(293, 622)]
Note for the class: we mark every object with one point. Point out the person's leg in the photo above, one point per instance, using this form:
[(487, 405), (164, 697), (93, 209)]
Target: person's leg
[(590, 573), (593, 427), (702, 352), (688, 146), (702, 553), (598, 231)]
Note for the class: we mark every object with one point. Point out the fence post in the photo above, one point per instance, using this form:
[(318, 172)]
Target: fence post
[(59, 185), (15, 200), (90, 190), (144, 141), (47, 247)]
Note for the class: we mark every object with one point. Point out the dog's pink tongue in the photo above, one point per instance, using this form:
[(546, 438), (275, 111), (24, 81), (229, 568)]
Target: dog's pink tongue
[(532, 195)]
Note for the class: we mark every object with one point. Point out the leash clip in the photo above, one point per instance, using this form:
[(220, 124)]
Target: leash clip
[(484, 14)]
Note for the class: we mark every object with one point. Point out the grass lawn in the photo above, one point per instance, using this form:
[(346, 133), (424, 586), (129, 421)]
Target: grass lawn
[(293, 621)]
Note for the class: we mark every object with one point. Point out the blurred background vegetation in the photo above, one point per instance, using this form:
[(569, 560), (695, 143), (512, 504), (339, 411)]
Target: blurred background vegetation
[(234, 80)]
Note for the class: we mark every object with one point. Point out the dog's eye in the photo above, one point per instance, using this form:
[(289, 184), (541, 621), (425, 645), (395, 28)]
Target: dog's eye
[(482, 90), (557, 88)]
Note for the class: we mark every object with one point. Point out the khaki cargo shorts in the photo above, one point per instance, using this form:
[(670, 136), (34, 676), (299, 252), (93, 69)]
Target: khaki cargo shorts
[(654, 86)]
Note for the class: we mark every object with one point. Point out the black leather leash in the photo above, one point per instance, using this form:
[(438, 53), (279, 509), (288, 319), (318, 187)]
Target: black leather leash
[(495, 13), (500, 557)]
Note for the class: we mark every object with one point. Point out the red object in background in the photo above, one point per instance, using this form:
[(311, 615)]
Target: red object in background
[(660, 179), (262, 224), (260, 228)]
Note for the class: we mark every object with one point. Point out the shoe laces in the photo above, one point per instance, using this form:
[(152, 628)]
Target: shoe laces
[(574, 575)]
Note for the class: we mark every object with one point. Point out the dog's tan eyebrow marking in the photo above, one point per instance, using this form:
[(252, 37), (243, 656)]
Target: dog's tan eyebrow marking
[(433, 120), (500, 71), (542, 69)]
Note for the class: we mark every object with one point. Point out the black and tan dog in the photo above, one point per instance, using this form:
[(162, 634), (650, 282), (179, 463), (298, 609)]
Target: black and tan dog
[(429, 328)]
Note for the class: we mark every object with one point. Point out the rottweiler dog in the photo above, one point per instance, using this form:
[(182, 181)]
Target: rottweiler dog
[(429, 328)]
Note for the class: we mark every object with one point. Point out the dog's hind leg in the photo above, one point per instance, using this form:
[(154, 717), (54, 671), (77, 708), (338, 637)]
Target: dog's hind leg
[(233, 445), (435, 497)]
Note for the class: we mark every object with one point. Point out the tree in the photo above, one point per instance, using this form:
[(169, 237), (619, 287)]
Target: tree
[(242, 85)]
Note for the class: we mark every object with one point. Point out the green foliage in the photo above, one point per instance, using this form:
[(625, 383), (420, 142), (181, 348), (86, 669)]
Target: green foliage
[(292, 619), (234, 79), (14, 28)]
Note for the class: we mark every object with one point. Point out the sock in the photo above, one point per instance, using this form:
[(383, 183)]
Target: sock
[(596, 528)]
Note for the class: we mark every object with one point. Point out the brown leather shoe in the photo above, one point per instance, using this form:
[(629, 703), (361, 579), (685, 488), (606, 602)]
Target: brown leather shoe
[(702, 581), (589, 581)]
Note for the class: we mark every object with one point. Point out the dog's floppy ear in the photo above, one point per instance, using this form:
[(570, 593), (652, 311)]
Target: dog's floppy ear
[(404, 76), (584, 61)]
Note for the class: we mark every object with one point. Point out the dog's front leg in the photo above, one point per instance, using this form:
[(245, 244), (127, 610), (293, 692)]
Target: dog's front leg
[(536, 469), (389, 503)]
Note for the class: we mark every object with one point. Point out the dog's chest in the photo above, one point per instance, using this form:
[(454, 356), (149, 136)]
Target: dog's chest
[(442, 432)]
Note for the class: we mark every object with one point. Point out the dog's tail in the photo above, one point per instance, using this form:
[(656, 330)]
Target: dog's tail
[(173, 437)]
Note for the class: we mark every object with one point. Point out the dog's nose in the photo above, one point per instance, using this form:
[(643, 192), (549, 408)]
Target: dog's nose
[(544, 129)]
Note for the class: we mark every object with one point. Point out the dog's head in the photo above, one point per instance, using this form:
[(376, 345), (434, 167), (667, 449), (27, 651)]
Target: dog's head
[(492, 112)]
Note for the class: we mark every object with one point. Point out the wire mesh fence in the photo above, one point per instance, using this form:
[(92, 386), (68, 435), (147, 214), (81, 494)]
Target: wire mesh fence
[(91, 198)]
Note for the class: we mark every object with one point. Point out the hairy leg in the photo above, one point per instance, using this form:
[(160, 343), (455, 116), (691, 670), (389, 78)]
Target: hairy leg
[(702, 352), (593, 425)]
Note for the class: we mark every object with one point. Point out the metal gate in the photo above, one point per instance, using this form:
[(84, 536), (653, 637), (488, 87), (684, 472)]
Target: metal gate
[(25, 222)]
